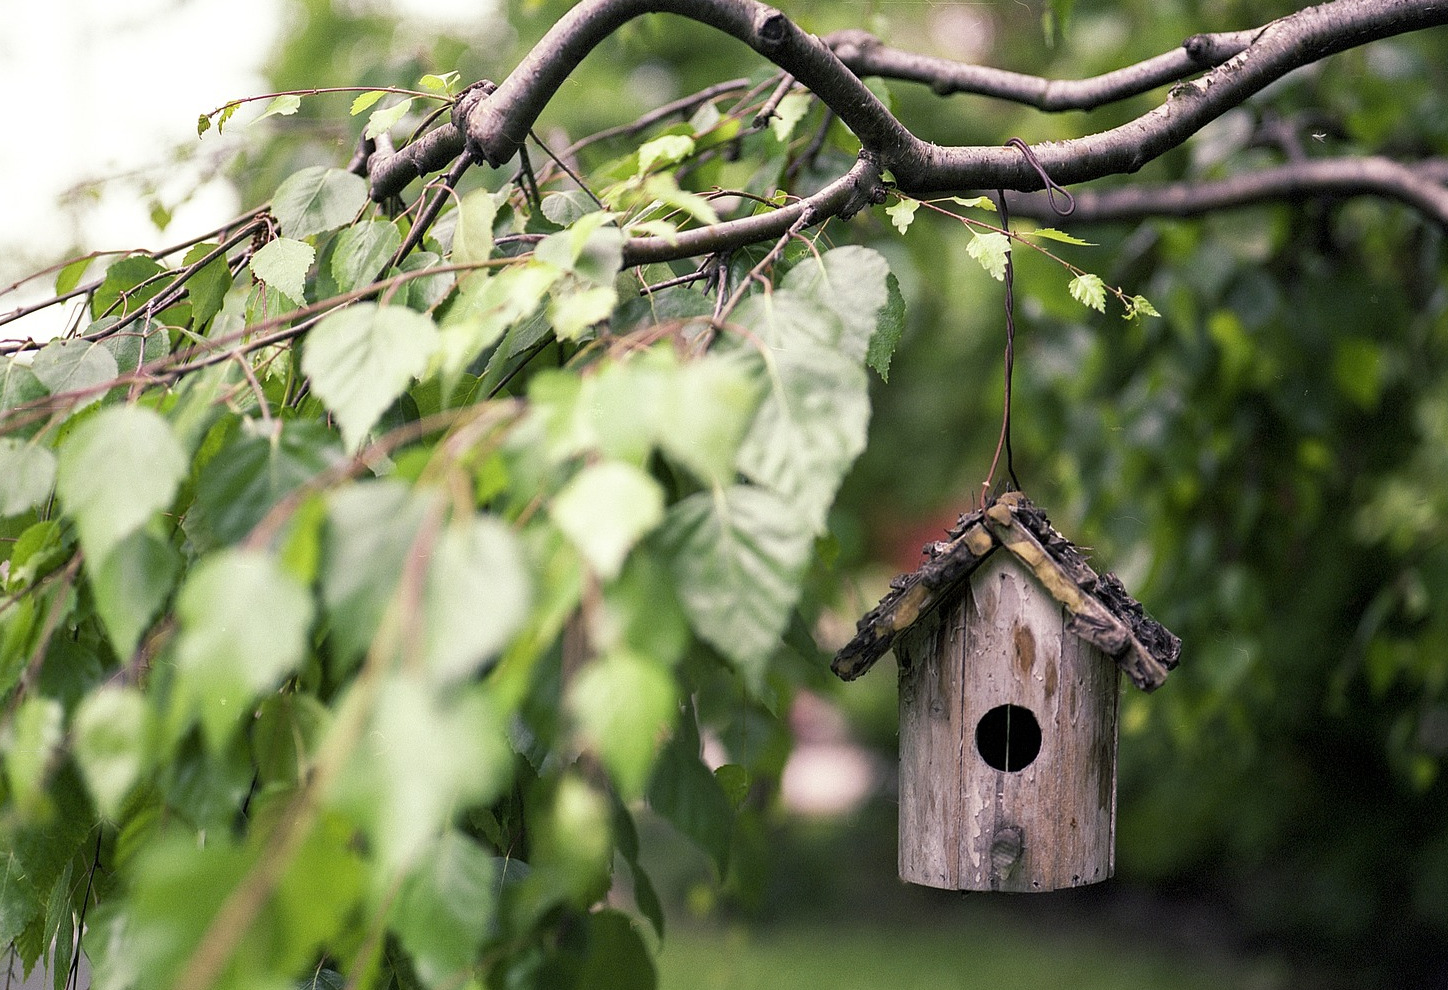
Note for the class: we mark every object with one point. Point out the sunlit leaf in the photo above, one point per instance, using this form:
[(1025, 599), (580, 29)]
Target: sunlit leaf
[(77, 366), (364, 101), (1089, 290), (990, 250), (361, 358), (116, 470), (111, 731), (664, 150), (318, 199), (362, 252), (284, 105), (571, 313), (479, 560), (624, 704), (283, 264), (473, 235), (902, 214), (851, 282), (1052, 234), (788, 113), (130, 586), (27, 475), (386, 118), (605, 510), (738, 555), (243, 625)]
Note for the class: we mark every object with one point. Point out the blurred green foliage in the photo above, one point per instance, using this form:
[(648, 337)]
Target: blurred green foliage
[(1264, 465)]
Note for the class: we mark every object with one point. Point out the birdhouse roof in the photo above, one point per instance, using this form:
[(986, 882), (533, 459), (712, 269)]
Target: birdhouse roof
[(1102, 613)]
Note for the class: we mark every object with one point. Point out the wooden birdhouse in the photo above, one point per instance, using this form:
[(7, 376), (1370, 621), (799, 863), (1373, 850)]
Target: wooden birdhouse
[(1009, 647)]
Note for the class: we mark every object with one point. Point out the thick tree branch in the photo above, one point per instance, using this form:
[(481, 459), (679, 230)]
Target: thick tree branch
[(866, 55), (1421, 186), (493, 125)]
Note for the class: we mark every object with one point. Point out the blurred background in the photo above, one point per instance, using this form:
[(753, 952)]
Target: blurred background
[(1265, 466)]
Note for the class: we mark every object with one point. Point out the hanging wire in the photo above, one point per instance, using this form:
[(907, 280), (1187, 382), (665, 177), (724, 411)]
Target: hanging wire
[(1052, 188)]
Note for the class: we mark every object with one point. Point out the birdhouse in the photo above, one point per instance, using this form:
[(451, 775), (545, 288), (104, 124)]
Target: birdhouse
[(1009, 648)]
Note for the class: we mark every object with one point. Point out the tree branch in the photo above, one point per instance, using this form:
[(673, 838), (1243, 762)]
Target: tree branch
[(1421, 186), (866, 55), (494, 124)]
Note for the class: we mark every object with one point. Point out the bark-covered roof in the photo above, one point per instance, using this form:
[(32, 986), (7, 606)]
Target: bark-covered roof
[(1102, 613)]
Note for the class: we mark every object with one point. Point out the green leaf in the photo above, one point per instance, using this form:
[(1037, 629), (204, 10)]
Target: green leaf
[(606, 509), (284, 106), (129, 284), (617, 958), (33, 740), (27, 475), (591, 249), (137, 345), (111, 730), (71, 365), (808, 431), (709, 408), (976, 203), (446, 907), (365, 100), (738, 555), (478, 560), (370, 531), (116, 470), (567, 207), (664, 150), (791, 111), (69, 277), (18, 384), (990, 250), (623, 704), (360, 360), (473, 236), (684, 792), (252, 473), (244, 624), (59, 930), (902, 214), (1140, 306), (130, 586), (440, 83), (1089, 290), (571, 313), (362, 252), (318, 199), (889, 330), (424, 754), (1052, 234), (283, 265), (485, 309), (227, 112), (384, 119), (850, 282), (734, 780)]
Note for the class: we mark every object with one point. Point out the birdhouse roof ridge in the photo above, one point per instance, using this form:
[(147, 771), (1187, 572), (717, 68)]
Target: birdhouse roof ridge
[(1101, 610)]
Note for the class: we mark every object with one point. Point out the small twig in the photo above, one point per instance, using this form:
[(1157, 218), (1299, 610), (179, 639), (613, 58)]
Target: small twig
[(429, 214)]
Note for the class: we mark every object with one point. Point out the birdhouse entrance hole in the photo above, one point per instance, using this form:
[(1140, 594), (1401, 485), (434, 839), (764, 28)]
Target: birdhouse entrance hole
[(1008, 737)]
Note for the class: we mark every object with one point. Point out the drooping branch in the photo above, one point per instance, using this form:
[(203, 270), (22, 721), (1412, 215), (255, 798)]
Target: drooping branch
[(1420, 185)]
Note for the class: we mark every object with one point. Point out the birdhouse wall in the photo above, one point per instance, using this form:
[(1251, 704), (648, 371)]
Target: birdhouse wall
[(1029, 826)]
